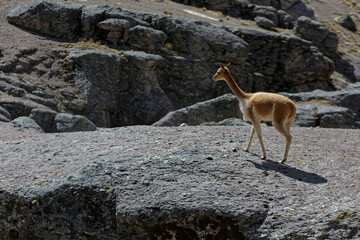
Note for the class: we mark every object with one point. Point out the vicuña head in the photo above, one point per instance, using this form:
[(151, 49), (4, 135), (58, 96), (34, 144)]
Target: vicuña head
[(262, 106), (221, 72)]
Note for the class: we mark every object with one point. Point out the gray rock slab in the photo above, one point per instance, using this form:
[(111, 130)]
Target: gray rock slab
[(146, 183), (319, 115), (27, 124), (233, 122), (217, 109), (58, 20), (64, 122), (264, 22), (114, 24)]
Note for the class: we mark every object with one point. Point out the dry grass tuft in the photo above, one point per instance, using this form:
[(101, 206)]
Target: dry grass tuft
[(167, 12), (90, 44)]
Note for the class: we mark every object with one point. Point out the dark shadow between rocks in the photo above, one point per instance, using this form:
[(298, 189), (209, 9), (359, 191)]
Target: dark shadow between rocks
[(290, 172)]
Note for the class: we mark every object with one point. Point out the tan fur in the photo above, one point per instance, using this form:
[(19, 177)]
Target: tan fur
[(262, 106)]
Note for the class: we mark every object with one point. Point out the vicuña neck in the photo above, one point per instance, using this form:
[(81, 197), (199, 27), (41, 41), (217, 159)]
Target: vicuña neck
[(234, 87)]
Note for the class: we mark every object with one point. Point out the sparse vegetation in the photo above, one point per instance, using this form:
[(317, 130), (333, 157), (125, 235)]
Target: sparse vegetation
[(168, 46), (321, 102), (20, 76), (167, 12), (90, 44)]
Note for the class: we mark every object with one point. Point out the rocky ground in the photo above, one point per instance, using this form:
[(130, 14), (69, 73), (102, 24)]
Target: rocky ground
[(147, 182), (183, 182)]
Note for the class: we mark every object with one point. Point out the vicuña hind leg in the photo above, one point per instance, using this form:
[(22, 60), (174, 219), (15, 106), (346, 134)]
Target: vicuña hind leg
[(251, 138), (256, 125), (284, 129)]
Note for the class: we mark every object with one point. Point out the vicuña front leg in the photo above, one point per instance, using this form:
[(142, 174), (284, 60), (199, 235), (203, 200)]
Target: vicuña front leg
[(251, 138), (258, 132)]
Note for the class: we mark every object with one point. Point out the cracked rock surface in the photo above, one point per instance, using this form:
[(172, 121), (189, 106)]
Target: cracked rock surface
[(145, 182)]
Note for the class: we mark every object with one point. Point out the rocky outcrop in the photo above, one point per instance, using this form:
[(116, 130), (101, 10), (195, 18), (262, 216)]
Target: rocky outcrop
[(328, 109), (171, 62), (275, 58), (188, 183)]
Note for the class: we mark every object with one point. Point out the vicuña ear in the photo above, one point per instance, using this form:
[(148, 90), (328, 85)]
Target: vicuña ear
[(227, 65), (221, 65)]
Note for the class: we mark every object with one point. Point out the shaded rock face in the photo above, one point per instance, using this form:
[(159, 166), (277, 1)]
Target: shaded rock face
[(130, 92), (322, 37), (284, 57)]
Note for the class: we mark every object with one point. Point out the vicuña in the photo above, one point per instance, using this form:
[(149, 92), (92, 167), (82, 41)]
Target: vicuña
[(262, 106)]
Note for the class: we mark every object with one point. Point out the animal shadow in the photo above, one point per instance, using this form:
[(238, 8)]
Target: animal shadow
[(290, 172)]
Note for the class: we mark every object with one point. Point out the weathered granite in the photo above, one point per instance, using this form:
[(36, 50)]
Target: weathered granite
[(188, 182)]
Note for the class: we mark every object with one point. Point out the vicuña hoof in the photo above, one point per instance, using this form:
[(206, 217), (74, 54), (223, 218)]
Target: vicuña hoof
[(246, 150), (282, 161), (264, 157)]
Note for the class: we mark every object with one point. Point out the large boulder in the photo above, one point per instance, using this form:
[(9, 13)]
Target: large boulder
[(64, 122), (91, 16), (348, 22), (300, 9), (146, 38), (44, 118), (26, 124), (267, 12), (226, 106), (201, 39), (316, 32), (58, 20)]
